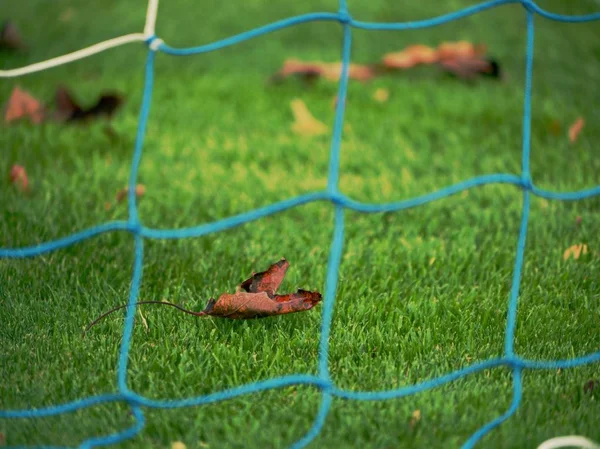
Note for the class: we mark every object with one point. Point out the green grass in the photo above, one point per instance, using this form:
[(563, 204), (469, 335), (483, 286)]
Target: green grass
[(421, 292)]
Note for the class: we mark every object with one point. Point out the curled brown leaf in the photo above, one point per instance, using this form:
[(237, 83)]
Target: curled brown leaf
[(18, 177), (22, 104), (575, 129)]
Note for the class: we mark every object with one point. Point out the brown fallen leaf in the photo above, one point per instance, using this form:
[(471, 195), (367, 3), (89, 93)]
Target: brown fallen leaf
[(266, 281), (178, 445), (311, 70), (304, 122), (254, 298), (459, 50), (18, 177), (381, 95), (22, 104), (69, 110), (470, 68), (10, 37), (2, 440), (575, 129), (575, 251), (411, 56), (140, 189)]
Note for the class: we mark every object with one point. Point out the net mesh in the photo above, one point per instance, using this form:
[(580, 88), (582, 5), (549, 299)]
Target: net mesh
[(340, 202)]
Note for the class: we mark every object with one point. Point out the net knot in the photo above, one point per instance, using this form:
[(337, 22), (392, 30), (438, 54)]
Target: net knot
[(344, 17), (154, 42), (134, 227), (527, 182)]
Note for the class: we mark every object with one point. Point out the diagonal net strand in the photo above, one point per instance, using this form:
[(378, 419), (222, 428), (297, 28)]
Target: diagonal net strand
[(322, 381)]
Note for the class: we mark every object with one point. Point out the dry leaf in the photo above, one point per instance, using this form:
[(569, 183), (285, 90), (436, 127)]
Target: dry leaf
[(18, 177), (22, 104), (254, 298), (10, 37), (381, 95), (330, 71), (415, 418), (68, 109), (266, 281), (410, 57), (305, 124), (461, 58), (2, 440), (469, 68), (140, 189), (459, 50), (576, 251), (178, 445), (576, 128)]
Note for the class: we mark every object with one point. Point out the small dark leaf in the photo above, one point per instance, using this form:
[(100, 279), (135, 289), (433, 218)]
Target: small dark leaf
[(10, 37), (68, 109)]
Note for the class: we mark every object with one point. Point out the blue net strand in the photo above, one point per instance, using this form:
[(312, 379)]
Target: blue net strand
[(322, 382)]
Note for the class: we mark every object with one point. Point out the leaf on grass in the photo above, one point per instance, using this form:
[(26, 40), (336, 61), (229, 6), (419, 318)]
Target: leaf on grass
[(415, 418), (576, 128), (178, 445), (22, 104), (10, 37), (411, 56), (459, 50), (266, 281), (381, 95), (470, 68), (304, 122), (18, 177), (311, 70), (140, 189), (69, 110), (575, 251), (256, 297), (462, 59)]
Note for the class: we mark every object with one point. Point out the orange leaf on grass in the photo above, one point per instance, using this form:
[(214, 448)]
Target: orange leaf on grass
[(256, 297), (575, 251), (22, 104), (18, 177), (411, 56), (576, 128), (459, 50)]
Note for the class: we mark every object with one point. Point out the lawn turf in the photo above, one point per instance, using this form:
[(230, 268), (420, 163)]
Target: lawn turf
[(420, 292)]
